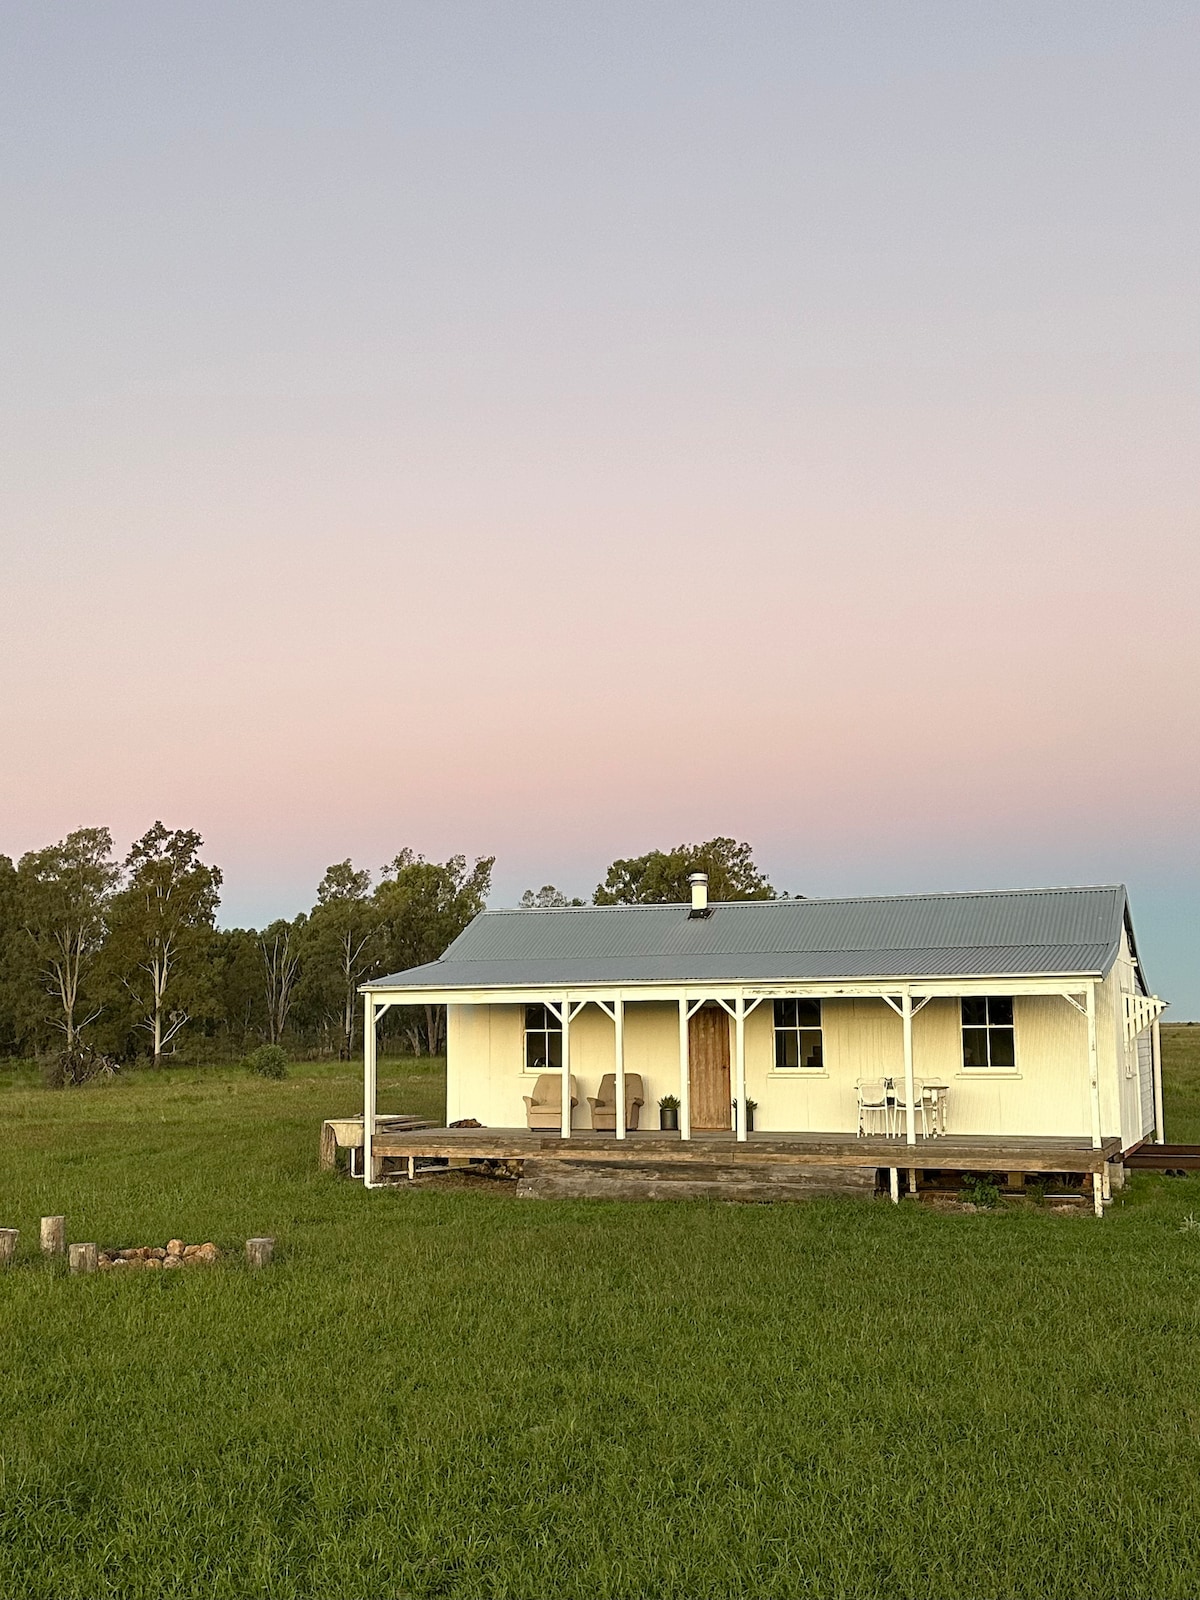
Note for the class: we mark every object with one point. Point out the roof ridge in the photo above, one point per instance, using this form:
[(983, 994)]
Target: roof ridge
[(822, 900)]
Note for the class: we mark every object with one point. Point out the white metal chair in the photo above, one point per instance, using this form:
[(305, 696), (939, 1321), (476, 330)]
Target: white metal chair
[(936, 1095), (920, 1105), (873, 1103)]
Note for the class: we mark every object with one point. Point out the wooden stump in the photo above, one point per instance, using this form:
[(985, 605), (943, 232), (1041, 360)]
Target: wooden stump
[(83, 1258), (54, 1236), (8, 1245), (258, 1252), (327, 1151)]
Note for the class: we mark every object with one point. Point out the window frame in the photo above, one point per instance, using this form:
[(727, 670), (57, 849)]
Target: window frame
[(797, 1030), (988, 1028), (549, 1027)]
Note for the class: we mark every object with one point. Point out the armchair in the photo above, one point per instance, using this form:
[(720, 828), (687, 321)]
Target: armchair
[(604, 1102), (544, 1106)]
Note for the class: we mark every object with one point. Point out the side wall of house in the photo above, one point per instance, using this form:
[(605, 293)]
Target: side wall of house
[(1125, 1070)]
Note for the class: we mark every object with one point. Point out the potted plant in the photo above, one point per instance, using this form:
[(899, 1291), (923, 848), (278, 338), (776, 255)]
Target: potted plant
[(668, 1113), (751, 1108)]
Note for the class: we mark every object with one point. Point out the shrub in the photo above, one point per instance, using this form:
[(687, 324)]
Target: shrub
[(979, 1190), (268, 1061)]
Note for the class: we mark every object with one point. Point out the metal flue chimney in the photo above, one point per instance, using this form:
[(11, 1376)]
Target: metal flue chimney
[(700, 905)]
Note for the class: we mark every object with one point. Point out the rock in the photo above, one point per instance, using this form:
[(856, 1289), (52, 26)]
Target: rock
[(208, 1253), (190, 1252), (134, 1254), (175, 1247), (173, 1261), (120, 1262), (158, 1253), (151, 1261)]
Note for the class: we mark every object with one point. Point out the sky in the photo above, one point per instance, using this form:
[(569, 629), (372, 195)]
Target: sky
[(558, 431)]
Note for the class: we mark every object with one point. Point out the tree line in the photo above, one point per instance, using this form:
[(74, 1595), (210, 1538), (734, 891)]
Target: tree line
[(125, 956)]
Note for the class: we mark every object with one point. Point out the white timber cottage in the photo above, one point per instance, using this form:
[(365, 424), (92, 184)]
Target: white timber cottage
[(1001, 1017)]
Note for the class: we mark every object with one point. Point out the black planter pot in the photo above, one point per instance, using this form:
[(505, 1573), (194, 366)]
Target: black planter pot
[(749, 1119), (668, 1119)]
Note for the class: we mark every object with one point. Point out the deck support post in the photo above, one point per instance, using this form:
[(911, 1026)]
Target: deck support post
[(1098, 1194), (685, 1087), (1160, 1136), (894, 1180), (1093, 1066), (369, 1091), (910, 1110), (619, 1046), (565, 1129), (739, 1055)]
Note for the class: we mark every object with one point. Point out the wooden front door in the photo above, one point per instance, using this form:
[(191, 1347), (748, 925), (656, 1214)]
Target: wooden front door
[(708, 1069)]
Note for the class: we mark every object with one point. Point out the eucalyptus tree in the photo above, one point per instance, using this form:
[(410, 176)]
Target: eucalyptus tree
[(342, 941), (160, 927), (13, 1008), (661, 876), (235, 963), (280, 948), (424, 905), (547, 898), (64, 894)]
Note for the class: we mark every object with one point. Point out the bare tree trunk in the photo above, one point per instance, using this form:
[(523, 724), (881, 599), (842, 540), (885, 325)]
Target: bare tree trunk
[(282, 969), (157, 1030), (410, 1023)]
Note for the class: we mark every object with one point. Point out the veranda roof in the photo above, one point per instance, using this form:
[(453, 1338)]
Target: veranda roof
[(1011, 932)]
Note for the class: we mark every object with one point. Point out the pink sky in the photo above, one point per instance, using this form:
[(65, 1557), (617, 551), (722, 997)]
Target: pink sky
[(558, 433)]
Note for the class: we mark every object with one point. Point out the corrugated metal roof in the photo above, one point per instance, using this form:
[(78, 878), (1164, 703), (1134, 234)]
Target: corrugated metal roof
[(1007, 932)]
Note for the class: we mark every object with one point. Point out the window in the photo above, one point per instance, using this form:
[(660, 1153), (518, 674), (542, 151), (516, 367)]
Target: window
[(798, 1036), (543, 1040), (987, 1032)]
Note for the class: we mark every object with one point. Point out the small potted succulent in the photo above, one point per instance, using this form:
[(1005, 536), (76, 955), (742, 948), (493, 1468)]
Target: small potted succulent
[(668, 1113), (751, 1108)]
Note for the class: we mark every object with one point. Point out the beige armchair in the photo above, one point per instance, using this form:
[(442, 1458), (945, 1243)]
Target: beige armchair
[(604, 1102), (544, 1106)]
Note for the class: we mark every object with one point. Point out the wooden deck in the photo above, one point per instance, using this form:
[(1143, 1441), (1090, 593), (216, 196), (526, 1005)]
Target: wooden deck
[(962, 1153), (1164, 1157)]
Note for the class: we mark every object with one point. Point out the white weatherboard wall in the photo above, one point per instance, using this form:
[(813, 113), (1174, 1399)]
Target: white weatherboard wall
[(1048, 1094), (1133, 1078), (485, 1045)]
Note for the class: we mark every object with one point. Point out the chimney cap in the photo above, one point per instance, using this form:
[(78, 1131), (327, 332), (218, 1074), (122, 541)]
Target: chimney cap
[(700, 905)]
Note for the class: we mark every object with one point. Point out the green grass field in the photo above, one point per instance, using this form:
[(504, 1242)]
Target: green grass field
[(453, 1392)]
